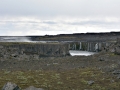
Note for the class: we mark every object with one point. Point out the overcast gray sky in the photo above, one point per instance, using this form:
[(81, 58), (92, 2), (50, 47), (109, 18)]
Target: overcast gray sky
[(41, 17)]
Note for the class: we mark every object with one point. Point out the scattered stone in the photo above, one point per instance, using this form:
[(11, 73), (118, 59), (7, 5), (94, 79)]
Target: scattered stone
[(1, 47), (10, 86), (112, 50), (116, 72), (101, 59), (33, 88), (14, 55), (117, 50), (1, 55), (118, 77), (90, 82), (119, 63), (55, 63), (112, 81)]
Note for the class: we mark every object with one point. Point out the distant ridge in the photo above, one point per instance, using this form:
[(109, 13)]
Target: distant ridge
[(88, 33), (102, 36)]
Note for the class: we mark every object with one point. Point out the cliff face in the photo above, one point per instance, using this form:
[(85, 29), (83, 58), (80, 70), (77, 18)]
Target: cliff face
[(8, 49)]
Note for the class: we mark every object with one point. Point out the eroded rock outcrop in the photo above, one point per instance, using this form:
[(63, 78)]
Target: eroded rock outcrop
[(32, 50), (115, 48)]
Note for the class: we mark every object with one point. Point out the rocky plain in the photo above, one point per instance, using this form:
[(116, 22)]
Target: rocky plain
[(23, 71)]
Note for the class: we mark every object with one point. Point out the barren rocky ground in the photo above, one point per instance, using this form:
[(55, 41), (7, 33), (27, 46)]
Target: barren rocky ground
[(96, 72)]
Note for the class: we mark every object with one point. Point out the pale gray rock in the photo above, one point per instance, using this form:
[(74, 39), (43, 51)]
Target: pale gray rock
[(10, 86), (90, 82), (112, 50)]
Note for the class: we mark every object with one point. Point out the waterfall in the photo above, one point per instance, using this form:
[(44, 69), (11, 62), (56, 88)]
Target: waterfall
[(96, 47), (75, 46), (80, 46)]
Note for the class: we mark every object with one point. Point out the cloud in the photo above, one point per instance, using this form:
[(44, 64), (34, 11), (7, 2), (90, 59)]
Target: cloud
[(53, 8), (40, 17), (35, 26)]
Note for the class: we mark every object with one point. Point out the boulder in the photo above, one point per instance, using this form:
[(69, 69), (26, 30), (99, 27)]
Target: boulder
[(117, 50), (14, 55), (112, 50), (101, 59), (10, 86), (33, 88), (90, 82)]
